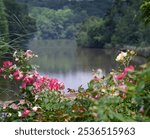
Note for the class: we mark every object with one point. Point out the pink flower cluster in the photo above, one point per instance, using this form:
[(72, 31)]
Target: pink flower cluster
[(46, 83), (25, 113), (124, 73), (39, 83), (6, 65), (17, 75), (29, 79)]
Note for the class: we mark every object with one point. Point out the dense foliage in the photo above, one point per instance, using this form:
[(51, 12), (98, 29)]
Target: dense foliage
[(15, 24), (60, 19), (145, 8), (122, 27), (56, 24), (89, 33), (124, 94), (92, 7)]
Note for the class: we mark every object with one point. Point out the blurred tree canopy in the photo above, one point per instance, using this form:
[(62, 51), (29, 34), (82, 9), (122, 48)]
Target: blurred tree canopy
[(145, 8), (93, 7), (60, 19), (89, 33), (56, 24), (95, 23), (123, 26)]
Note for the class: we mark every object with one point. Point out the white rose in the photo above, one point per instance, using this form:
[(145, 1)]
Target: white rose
[(121, 56), (14, 54), (124, 54), (35, 108), (9, 114), (19, 114)]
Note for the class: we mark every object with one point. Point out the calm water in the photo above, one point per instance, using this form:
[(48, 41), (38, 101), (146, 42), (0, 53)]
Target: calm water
[(63, 60)]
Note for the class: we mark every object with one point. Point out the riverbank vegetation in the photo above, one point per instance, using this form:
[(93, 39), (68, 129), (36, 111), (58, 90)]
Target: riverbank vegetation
[(16, 26), (101, 24), (95, 24)]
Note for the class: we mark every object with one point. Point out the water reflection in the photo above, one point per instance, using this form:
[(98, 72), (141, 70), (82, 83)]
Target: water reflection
[(62, 59)]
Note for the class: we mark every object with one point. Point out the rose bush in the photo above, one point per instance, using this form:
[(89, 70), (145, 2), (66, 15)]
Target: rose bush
[(41, 97), (122, 95)]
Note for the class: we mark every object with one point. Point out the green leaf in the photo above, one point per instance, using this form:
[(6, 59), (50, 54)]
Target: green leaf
[(111, 114), (140, 86), (120, 117), (29, 88), (32, 114), (46, 100), (0, 108)]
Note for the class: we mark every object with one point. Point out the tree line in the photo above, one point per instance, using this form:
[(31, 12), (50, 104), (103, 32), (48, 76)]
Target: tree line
[(60, 19), (102, 24), (121, 26)]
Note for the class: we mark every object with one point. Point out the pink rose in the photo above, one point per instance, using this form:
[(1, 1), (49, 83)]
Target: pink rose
[(14, 106), (26, 112), (22, 101), (120, 76), (54, 85), (24, 85), (18, 75), (129, 68), (29, 54), (29, 79), (7, 64), (1, 70), (124, 73)]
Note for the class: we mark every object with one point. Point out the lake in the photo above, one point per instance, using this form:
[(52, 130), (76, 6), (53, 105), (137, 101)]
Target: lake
[(62, 59)]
